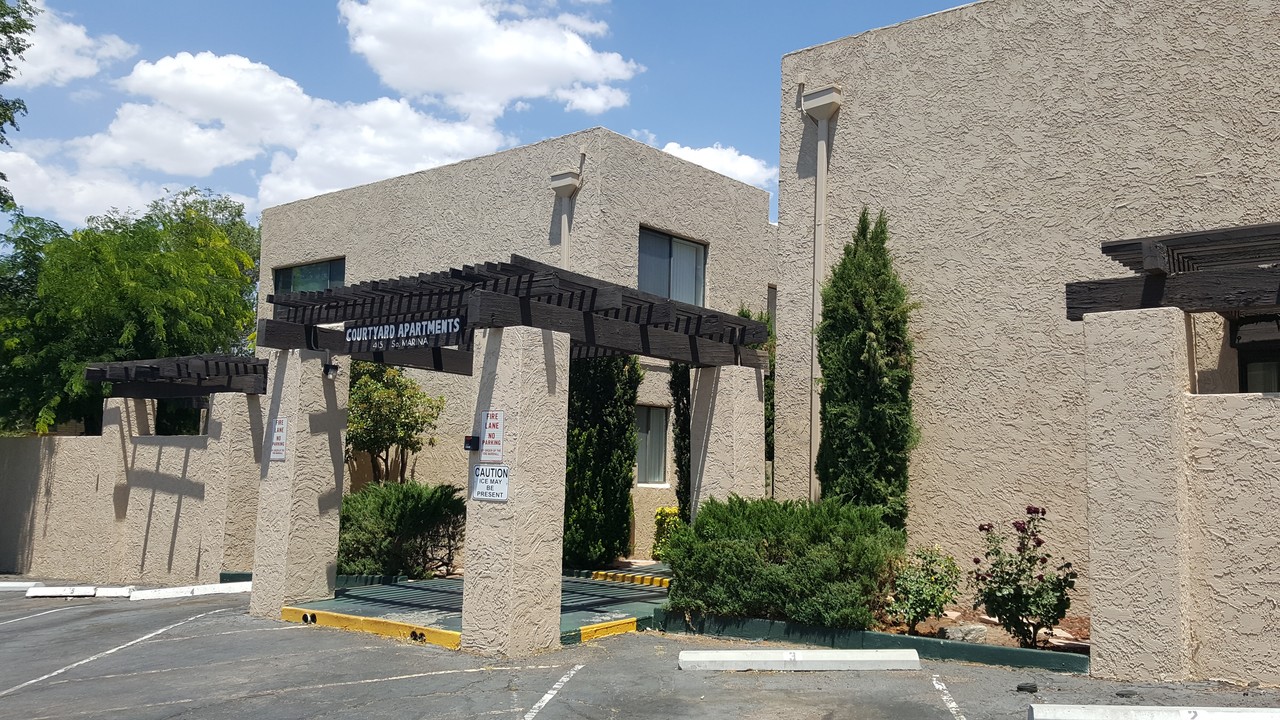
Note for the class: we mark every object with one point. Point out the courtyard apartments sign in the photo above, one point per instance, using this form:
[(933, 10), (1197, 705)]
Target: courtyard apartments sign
[(404, 334)]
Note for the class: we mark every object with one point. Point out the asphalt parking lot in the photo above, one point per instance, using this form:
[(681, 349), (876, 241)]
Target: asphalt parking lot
[(205, 657)]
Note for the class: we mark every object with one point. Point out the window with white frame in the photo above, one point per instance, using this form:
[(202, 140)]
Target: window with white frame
[(672, 267), (651, 450)]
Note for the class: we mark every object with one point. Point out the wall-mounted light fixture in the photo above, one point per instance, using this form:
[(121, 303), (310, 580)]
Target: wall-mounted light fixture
[(330, 371)]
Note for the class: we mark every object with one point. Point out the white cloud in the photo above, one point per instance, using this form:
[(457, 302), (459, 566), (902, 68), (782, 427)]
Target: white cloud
[(645, 137), (727, 161), (199, 113), (591, 100), (479, 57), (44, 188), (61, 51)]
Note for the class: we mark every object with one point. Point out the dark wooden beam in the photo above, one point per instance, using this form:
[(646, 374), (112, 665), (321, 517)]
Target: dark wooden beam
[(1201, 291), (248, 385), (494, 310), (290, 336), (447, 360)]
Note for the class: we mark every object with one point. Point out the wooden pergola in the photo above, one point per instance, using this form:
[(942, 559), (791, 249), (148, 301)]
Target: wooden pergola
[(1233, 271), (191, 376), (428, 321)]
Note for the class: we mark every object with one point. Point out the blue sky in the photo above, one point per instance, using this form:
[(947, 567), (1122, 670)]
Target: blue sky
[(276, 101)]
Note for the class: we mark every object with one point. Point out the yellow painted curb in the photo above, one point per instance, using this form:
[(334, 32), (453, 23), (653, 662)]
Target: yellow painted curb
[(448, 639), (605, 629)]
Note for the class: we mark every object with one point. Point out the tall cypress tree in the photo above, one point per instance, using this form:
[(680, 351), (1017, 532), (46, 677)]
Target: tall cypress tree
[(601, 459), (865, 352), (680, 418)]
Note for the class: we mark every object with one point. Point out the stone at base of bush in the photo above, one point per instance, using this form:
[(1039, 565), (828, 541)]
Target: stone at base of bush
[(965, 633)]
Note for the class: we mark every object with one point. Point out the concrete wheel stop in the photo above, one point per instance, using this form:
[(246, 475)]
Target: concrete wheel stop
[(799, 660)]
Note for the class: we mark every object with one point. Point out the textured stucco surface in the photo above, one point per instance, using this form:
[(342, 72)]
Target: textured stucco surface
[(299, 498), (487, 208), (1139, 511), (129, 506), (1181, 486), (1006, 140), (1216, 365), (727, 409), (1233, 464), (511, 599)]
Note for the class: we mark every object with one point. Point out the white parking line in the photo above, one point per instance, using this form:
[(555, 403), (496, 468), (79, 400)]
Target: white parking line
[(105, 653), (947, 699), (46, 612), (552, 693)]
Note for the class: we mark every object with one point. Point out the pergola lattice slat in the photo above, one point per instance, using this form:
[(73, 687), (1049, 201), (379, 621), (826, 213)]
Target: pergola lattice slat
[(430, 315), (177, 377), (1226, 270)]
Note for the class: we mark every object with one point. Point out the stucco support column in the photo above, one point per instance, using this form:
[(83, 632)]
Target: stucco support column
[(511, 595), (296, 543), (726, 434), (235, 439), (1137, 372)]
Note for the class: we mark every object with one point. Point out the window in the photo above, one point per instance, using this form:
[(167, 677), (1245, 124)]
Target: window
[(311, 277), (651, 451), (672, 267), (1259, 367)]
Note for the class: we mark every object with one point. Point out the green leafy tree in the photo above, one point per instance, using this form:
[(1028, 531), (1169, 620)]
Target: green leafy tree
[(601, 459), (678, 383), (866, 356), (178, 279), (16, 23), (388, 416)]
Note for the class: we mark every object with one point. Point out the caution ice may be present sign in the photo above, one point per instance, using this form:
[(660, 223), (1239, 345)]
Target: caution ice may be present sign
[(490, 482)]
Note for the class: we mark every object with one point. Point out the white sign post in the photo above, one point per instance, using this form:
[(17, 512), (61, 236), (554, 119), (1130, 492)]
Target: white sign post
[(491, 429), (490, 482), (279, 439)]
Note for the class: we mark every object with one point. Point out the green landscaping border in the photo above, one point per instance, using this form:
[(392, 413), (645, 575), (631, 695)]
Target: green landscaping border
[(929, 648)]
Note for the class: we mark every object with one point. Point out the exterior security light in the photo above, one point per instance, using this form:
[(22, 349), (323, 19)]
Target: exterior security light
[(330, 371)]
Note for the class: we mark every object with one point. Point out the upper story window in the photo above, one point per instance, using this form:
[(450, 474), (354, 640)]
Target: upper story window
[(311, 277), (672, 267)]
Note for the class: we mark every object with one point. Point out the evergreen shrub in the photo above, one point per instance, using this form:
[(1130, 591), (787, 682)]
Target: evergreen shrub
[(825, 563), (401, 529), (600, 460), (865, 351)]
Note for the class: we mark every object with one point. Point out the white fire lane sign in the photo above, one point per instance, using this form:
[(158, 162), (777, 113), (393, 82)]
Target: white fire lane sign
[(490, 482)]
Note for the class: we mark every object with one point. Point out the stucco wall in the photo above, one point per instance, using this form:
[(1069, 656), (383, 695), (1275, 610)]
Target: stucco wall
[(128, 506), (1233, 466), (1216, 365), (487, 208), (1006, 140)]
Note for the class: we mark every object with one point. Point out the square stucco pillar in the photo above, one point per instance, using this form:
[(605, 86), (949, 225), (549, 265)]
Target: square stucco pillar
[(726, 434), (511, 594), (299, 497), (1138, 371)]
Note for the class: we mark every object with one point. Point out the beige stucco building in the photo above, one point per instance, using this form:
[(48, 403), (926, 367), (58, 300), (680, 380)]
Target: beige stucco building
[(629, 199), (1006, 140)]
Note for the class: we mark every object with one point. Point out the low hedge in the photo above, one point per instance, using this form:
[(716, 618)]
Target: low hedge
[(822, 563), (401, 529)]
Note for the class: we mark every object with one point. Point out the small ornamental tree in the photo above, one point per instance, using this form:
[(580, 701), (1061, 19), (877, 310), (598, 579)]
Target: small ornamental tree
[(1020, 588), (865, 352), (388, 416), (601, 459)]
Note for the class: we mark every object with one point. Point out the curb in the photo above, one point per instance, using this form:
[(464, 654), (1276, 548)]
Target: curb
[(67, 591), (622, 577), (587, 633), (447, 639), (191, 590), (1144, 712), (18, 586), (114, 592), (798, 660), (929, 648)]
